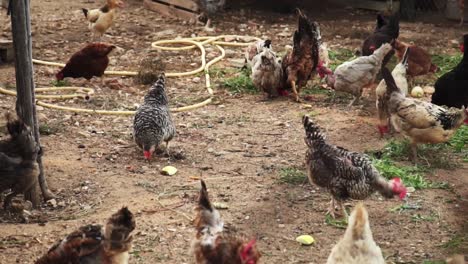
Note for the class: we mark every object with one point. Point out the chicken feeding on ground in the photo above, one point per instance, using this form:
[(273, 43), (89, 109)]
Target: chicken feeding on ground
[(153, 124), (451, 89), (419, 61), (386, 31), (299, 64), (345, 174), (254, 49), (357, 245), (18, 154), (267, 74), (95, 244), (353, 76), (212, 245), (399, 74), (421, 121), (209, 8), (101, 19), (90, 61)]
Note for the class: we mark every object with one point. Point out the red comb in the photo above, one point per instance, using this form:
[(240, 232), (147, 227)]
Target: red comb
[(147, 154)]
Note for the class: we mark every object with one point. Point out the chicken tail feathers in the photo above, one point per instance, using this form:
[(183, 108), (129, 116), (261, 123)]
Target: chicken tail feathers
[(85, 12), (405, 56), (267, 43), (117, 232), (391, 85), (312, 131), (380, 21), (203, 200)]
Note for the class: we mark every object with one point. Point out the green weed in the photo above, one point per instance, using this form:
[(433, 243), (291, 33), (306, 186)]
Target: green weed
[(59, 83), (445, 62), (338, 223), (240, 83), (292, 176)]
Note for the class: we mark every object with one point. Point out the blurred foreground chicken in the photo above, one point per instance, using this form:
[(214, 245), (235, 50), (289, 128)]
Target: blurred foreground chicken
[(451, 89), (94, 244), (399, 74), (212, 245), (357, 245), (210, 8), (299, 64), (267, 74), (153, 124), (101, 19), (256, 48), (346, 174), (353, 76), (421, 121), (18, 168), (456, 259), (386, 31), (90, 61), (419, 61)]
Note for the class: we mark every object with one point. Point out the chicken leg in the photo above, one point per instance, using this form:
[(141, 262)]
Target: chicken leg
[(167, 149), (414, 154), (295, 93), (331, 208)]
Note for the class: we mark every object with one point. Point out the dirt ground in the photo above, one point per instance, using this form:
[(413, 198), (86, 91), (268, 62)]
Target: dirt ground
[(238, 144)]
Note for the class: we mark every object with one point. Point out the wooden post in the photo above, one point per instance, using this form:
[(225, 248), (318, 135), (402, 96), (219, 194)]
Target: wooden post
[(25, 102)]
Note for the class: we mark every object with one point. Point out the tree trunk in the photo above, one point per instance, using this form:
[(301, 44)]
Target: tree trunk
[(25, 103)]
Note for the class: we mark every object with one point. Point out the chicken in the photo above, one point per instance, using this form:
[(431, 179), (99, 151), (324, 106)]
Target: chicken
[(101, 19), (399, 74), (256, 48), (456, 259), (267, 74), (353, 76), (93, 244), (419, 61), (153, 122), (451, 89), (209, 8), (299, 64), (421, 121), (212, 245), (90, 61), (386, 31), (18, 167), (357, 245), (346, 174)]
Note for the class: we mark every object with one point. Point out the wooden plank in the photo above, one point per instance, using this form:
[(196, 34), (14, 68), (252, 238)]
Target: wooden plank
[(169, 11), (188, 4)]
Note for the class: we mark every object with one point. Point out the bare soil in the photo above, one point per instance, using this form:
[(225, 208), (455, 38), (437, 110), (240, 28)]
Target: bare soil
[(238, 144)]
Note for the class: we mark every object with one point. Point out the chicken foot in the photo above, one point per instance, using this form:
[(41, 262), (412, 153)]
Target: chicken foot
[(295, 93), (414, 154)]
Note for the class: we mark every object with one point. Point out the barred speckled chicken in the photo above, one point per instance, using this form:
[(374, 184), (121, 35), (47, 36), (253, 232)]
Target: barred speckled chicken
[(94, 245), (267, 74), (346, 174), (18, 167), (153, 123), (212, 245)]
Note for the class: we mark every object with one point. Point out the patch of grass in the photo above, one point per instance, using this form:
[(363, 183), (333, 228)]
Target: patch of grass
[(459, 142), (317, 90), (338, 223), (240, 83), (339, 56), (445, 62), (424, 218), (456, 242), (61, 83), (292, 176), (47, 129)]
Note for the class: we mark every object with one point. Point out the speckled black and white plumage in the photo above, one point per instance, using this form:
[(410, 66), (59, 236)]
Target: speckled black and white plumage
[(346, 174), (153, 122)]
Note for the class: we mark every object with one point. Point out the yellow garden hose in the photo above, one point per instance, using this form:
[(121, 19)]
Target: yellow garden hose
[(191, 43)]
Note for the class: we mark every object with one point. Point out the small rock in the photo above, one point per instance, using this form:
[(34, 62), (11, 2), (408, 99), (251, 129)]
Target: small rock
[(196, 80), (247, 217), (52, 202)]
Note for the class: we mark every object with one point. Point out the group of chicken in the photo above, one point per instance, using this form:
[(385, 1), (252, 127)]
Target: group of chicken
[(421, 121)]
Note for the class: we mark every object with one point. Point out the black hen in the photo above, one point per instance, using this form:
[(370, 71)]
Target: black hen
[(153, 122), (346, 174), (451, 89), (93, 244), (18, 169), (385, 32)]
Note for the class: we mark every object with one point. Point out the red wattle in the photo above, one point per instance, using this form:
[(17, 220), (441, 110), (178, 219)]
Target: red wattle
[(147, 154)]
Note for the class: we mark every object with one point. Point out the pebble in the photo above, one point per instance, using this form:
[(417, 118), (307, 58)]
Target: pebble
[(196, 80), (52, 202)]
